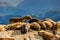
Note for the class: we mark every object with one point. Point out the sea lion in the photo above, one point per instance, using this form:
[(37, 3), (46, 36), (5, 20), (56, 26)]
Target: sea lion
[(46, 35), (25, 28), (14, 20), (52, 25), (50, 20), (25, 18), (57, 27), (43, 26), (14, 26), (22, 19), (40, 22), (34, 20), (48, 24), (35, 26)]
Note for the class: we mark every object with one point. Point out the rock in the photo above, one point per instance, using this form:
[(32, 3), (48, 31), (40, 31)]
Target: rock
[(29, 36), (16, 34), (6, 39), (2, 25), (2, 29), (28, 28)]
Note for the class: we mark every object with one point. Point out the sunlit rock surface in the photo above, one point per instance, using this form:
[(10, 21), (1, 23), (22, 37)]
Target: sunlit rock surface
[(18, 36)]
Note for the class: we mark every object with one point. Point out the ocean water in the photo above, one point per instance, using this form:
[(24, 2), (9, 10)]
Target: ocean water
[(8, 12), (4, 19), (40, 9)]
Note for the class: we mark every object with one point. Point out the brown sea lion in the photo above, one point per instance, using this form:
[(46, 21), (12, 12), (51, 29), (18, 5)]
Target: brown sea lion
[(52, 25), (50, 20), (25, 28), (48, 24), (43, 26), (34, 20), (25, 18), (13, 20), (14, 26), (40, 22), (46, 35), (57, 27), (22, 19), (35, 26)]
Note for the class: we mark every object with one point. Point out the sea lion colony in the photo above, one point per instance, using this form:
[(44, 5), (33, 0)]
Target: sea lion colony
[(46, 28)]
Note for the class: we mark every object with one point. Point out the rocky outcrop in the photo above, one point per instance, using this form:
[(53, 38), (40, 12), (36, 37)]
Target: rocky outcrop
[(16, 35), (31, 30)]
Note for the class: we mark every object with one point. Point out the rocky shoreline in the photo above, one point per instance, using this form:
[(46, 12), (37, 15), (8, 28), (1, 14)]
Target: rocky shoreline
[(28, 28)]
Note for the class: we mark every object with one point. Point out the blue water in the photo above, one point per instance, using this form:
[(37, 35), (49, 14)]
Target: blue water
[(40, 9), (9, 13)]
